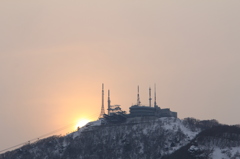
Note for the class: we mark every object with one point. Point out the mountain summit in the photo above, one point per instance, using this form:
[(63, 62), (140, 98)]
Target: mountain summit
[(139, 138)]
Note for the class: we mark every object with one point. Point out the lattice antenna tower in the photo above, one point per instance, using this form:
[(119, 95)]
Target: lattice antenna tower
[(138, 98), (102, 109), (109, 102), (155, 96), (150, 98)]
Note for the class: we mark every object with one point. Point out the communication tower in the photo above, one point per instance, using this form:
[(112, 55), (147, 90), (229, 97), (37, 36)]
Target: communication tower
[(150, 98), (138, 98), (155, 96), (102, 109)]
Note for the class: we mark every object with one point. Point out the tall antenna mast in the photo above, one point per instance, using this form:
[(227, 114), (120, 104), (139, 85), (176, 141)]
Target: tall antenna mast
[(155, 96), (138, 98), (150, 98), (102, 109), (109, 102)]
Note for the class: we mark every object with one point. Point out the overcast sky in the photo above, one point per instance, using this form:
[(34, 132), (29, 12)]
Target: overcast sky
[(55, 54)]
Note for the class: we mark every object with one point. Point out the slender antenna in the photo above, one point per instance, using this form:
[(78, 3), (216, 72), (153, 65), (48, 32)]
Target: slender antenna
[(109, 102), (102, 109), (155, 96), (150, 98), (138, 98)]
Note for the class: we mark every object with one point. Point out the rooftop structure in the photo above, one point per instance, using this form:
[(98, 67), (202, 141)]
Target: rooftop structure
[(139, 110), (116, 115)]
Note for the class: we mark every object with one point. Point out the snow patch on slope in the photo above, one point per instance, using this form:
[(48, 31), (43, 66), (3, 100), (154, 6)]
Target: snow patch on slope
[(174, 124), (87, 126), (227, 153)]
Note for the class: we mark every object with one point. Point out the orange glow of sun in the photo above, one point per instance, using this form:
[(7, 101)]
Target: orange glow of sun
[(82, 122)]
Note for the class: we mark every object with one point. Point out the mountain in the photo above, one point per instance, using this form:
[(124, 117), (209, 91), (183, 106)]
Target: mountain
[(139, 138), (219, 142)]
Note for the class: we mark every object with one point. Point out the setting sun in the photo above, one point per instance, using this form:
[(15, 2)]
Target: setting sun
[(82, 122)]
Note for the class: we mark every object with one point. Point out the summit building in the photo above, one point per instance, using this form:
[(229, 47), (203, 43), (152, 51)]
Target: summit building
[(117, 115)]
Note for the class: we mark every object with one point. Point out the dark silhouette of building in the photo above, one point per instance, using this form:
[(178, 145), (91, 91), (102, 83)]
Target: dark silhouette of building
[(139, 110), (117, 115)]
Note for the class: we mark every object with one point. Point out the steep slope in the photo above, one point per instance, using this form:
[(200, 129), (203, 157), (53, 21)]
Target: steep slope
[(218, 142), (137, 138)]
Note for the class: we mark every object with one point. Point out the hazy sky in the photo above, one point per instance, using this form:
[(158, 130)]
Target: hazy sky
[(55, 54)]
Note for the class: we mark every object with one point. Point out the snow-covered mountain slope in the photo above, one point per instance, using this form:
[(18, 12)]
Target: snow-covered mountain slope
[(138, 138), (219, 142)]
